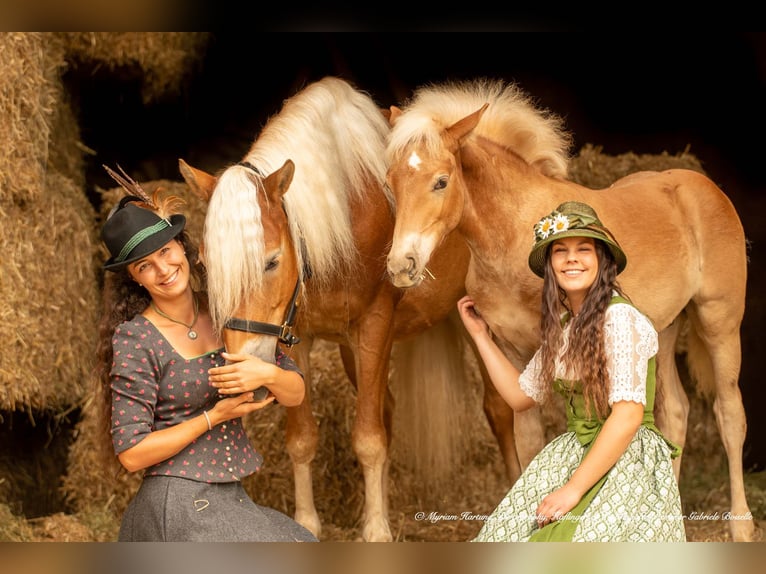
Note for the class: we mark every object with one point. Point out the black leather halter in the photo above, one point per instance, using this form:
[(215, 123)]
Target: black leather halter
[(283, 332)]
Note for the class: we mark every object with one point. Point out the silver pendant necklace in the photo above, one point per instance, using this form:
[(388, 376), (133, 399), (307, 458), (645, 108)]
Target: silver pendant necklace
[(192, 334)]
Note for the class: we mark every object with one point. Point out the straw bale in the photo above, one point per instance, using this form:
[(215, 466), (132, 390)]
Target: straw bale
[(163, 61), (46, 294), (30, 88), (596, 170), (65, 149), (48, 297), (90, 485)]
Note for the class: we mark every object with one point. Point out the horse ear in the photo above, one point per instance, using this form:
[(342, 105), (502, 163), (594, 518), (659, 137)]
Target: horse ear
[(200, 182), (462, 128), (393, 114), (279, 181)]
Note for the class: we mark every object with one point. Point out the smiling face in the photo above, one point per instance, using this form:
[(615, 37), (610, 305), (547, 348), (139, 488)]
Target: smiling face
[(164, 273), (574, 262)]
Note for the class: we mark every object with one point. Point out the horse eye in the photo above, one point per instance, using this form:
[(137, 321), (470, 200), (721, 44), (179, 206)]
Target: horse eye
[(272, 264), (441, 183)]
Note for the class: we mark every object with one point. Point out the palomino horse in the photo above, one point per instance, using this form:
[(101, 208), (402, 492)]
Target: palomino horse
[(330, 231), (479, 158)]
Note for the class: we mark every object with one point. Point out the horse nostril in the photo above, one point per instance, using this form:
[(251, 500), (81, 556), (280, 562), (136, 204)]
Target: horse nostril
[(411, 267)]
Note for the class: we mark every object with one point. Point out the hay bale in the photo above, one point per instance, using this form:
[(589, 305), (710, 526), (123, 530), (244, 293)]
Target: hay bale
[(162, 61), (48, 298), (48, 287), (596, 170), (30, 89)]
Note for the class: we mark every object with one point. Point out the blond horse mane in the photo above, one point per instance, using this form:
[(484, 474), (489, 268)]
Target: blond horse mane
[(511, 120), (335, 135)]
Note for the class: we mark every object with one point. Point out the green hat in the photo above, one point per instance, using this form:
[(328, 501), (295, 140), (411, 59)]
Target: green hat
[(571, 219)]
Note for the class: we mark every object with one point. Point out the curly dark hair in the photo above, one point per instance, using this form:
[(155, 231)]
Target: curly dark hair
[(585, 357), (123, 299)]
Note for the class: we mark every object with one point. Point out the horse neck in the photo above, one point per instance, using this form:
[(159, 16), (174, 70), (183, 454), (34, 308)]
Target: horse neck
[(498, 206)]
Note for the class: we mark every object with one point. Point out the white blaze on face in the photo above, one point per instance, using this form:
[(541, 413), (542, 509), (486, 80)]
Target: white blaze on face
[(414, 161)]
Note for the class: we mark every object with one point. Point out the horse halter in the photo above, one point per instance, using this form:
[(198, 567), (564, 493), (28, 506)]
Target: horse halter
[(283, 332)]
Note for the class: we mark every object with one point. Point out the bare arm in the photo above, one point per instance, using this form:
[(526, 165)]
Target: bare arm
[(504, 375), (244, 373), (162, 444), (619, 429)]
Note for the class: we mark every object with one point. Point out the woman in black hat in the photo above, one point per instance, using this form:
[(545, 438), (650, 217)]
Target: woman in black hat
[(157, 357), (609, 478)]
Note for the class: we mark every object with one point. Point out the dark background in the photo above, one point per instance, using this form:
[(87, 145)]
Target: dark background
[(646, 93)]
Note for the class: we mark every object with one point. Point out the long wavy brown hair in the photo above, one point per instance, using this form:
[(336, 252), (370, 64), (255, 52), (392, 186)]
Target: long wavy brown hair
[(584, 358), (122, 299)]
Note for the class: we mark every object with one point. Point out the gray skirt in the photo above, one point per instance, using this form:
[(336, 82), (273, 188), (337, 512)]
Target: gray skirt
[(172, 509)]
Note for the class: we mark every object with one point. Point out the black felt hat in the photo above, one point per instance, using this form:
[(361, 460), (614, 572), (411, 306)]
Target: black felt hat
[(132, 232)]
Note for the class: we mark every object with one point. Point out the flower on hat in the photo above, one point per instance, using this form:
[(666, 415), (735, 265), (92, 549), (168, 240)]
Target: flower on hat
[(550, 225), (560, 223)]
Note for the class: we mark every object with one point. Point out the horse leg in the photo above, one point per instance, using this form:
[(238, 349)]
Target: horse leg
[(520, 436), (716, 333), (347, 358), (529, 430), (372, 339), (302, 436), (500, 417), (671, 406)]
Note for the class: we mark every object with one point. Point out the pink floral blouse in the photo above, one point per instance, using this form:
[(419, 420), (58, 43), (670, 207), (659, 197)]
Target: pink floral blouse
[(154, 387)]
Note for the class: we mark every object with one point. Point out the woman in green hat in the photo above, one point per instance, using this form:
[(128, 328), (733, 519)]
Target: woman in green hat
[(160, 364), (609, 477)]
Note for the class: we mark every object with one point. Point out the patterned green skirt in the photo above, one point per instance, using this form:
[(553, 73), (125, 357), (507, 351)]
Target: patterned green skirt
[(638, 502)]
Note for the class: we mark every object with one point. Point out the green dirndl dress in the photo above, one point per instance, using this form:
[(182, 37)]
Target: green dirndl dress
[(636, 501)]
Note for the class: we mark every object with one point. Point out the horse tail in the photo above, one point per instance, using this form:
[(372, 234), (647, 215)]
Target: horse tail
[(434, 399)]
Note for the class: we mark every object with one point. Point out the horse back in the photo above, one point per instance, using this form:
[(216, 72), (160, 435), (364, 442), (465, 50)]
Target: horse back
[(683, 238)]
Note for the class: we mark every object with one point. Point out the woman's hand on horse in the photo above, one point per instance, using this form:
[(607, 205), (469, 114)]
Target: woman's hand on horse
[(473, 321), (242, 373)]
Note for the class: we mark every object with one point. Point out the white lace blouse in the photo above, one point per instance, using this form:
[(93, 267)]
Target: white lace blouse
[(630, 341)]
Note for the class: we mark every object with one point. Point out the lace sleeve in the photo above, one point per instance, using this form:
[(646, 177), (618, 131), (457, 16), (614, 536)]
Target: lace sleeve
[(530, 382), (630, 341)]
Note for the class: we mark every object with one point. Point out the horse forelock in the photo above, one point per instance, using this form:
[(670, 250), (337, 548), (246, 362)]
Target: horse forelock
[(335, 136), (234, 242), (511, 120)]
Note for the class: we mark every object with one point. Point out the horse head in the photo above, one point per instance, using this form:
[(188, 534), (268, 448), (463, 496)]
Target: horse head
[(252, 264), (425, 177)]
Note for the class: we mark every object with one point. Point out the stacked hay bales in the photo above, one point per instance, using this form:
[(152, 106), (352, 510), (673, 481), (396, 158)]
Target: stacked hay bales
[(162, 61), (46, 293), (48, 289), (50, 264)]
